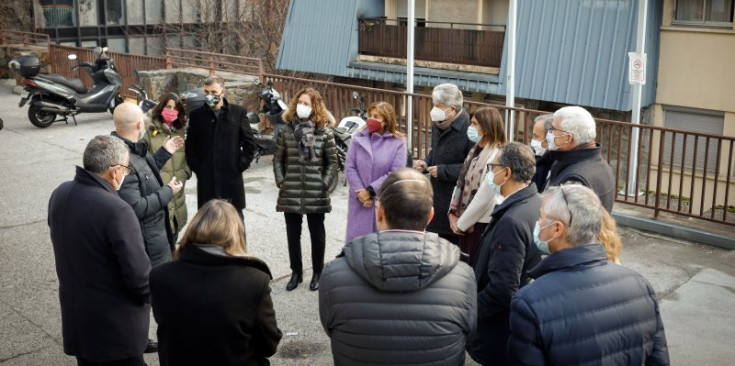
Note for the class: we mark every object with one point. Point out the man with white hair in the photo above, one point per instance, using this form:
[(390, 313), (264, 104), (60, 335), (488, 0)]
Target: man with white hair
[(577, 156), (100, 262), (143, 189), (581, 309), (449, 147)]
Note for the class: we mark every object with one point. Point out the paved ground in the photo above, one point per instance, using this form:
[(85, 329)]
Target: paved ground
[(696, 282)]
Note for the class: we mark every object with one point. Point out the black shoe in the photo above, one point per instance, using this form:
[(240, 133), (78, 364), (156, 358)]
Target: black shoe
[(294, 281), (151, 347), (314, 285)]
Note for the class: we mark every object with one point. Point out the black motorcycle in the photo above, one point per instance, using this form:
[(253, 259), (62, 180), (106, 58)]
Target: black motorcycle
[(52, 94), (272, 107)]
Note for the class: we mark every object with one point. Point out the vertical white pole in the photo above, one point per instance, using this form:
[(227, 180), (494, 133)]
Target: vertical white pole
[(640, 46), (409, 70), (510, 67)]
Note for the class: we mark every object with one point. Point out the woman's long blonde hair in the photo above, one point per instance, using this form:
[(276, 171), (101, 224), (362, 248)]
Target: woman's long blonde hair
[(216, 223), (388, 113), (319, 110), (610, 238)]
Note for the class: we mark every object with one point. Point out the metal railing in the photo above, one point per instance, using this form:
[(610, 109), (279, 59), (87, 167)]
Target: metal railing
[(24, 38), (125, 63), (176, 57), (669, 177), (460, 43)]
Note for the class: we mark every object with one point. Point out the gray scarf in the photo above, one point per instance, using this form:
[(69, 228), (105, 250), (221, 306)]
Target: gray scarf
[(304, 136)]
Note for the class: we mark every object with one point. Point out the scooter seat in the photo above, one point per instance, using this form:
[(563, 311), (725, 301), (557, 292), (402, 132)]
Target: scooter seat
[(341, 130), (75, 84)]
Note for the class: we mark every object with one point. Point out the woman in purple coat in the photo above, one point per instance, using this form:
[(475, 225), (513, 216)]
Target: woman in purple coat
[(374, 153)]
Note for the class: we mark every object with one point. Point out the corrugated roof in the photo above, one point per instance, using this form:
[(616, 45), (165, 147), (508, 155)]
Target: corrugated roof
[(576, 52), (568, 51)]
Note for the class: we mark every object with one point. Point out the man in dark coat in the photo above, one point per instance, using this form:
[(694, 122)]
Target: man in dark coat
[(449, 147), (577, 156), (143, 189), (506, 252), (100, 261), (581, 309), (219, 147), (399, 296), (544, 158)]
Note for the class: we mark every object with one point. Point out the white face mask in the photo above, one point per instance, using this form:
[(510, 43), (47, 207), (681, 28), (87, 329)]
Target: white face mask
[(550, 140), (438, 115), (121, 181), (537, 147), (303, 111)]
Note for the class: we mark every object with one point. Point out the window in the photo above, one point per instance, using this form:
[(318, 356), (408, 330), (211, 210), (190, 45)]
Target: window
[(710, 13), (115, 12), (706, 122), (58, 13)]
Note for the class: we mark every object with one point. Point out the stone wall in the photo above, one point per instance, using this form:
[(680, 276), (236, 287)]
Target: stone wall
[(8, 52), (241, 89)]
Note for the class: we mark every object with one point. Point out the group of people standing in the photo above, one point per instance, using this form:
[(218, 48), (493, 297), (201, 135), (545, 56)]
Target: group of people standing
[(440, 258)]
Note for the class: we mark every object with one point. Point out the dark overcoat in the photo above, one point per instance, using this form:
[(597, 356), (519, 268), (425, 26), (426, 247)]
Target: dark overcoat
[(102, 269), (449, 148), (507, 252), (587, 167), (146, 192), (218, 151), (213, 309), (583, 310)]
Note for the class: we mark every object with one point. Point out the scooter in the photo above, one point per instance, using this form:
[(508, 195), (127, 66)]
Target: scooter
[(51, 94), (272, 107)]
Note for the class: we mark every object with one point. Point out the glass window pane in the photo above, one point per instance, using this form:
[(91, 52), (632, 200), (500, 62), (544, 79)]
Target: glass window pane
[(59, 13), (719, 11), (691, 10), (88, 13), (153, 12), (114, 11)]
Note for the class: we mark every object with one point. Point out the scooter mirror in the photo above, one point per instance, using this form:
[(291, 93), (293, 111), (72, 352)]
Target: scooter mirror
[(72, 56), (270, 82), (355, 95)]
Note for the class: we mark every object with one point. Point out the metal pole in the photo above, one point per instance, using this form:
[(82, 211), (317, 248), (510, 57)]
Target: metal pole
[(511, 69), (640, 46), (409, 71)]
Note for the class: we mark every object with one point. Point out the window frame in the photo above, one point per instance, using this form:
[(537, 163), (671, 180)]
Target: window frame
[(703, 23)]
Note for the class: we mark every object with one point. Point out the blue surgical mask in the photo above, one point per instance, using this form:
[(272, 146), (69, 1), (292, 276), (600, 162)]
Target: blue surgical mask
[(472, 134), (490, 180), (543, 246)]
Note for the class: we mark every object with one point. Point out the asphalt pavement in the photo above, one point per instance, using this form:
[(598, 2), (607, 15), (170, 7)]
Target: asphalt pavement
[(696, 283)]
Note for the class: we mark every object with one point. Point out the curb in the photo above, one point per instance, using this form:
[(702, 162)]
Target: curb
[(677, 231)]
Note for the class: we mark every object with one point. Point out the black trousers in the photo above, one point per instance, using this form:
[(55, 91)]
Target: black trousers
[(318, 240), (134, 361)]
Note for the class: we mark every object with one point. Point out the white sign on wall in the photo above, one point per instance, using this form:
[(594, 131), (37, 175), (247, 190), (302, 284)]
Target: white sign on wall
[(637, 68)]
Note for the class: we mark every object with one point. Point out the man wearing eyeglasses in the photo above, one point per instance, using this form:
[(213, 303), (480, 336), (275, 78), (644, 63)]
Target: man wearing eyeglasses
[(100, 261), (577, 156), (506, 251)]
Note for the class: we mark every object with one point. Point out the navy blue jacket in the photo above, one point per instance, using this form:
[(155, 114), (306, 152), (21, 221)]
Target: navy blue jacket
[(584, 310), (506, 253)]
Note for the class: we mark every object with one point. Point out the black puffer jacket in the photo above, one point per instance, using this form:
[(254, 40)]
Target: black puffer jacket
[(584, 310), (399, 298), (304, 186), (144, 190)]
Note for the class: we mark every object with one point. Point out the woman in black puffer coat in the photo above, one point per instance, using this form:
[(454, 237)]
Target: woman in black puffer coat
[(304, 164)]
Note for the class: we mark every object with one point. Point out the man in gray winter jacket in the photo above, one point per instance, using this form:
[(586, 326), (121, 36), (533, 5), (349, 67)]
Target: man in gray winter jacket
[(400, 295)]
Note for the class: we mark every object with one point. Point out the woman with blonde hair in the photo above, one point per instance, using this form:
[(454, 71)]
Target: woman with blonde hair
[(472, 201), (212, 303), (375, 152), (305, 164), (610, 238)]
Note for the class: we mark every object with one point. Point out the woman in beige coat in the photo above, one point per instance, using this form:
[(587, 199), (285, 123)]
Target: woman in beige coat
[(168, 120)]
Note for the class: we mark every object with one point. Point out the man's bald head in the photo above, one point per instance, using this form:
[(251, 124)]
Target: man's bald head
[(126, 117), (406, 198)]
